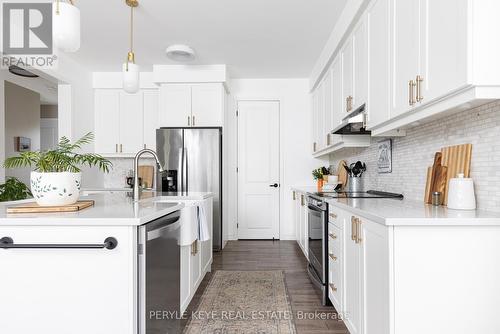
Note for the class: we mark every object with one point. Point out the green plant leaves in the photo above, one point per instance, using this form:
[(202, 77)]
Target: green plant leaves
[(14, 190), (61, 159)]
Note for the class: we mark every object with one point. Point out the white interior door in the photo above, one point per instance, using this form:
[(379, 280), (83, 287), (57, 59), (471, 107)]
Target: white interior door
[(258, 170), (48, 133)]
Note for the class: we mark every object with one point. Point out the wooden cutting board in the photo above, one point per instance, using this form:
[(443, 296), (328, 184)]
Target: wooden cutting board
[(428, 185), (431, 179), (35, 208), (146, 173), (457, 159), (342, 173)]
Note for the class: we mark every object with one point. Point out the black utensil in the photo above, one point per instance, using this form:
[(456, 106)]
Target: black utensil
[(348, 170)]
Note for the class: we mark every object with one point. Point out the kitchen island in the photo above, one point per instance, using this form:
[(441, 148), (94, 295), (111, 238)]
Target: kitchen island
[(106, 269)]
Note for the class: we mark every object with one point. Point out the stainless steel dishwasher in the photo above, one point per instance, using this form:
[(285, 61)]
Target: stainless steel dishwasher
[(159, 275)]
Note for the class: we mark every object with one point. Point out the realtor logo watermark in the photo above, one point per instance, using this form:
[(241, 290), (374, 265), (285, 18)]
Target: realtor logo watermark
[(27, 35)]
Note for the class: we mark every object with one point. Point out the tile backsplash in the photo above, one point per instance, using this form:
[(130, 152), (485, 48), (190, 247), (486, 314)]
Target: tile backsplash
[(412, 154), (121, 167)]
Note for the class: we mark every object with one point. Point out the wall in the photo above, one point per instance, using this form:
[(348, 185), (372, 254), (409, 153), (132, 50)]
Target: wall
[(296, 160), (22, 119), (411, 155)]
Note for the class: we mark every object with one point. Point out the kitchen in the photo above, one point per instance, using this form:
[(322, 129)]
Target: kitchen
[(400, 242)]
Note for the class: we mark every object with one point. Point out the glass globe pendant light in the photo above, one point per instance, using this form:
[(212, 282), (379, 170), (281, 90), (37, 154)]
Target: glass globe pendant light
[(130, 69), (66, 26)]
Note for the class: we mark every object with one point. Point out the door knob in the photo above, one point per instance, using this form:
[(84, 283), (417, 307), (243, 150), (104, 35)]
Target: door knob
[(274, 185)]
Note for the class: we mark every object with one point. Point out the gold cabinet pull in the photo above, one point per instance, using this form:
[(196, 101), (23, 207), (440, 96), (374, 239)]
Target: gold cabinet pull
[(293, 195), (116, 148), (333, 236), (333, 257), (189, 120), (328, 140), (419, 88), (121, 148), (333, 287), (358, 231), (314, 147), (411, 98), (302, 200), (193, 121), (353, 228), (333, 216)]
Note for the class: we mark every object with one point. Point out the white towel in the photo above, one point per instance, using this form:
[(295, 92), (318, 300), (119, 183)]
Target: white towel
[(203, 231), (189, 225)]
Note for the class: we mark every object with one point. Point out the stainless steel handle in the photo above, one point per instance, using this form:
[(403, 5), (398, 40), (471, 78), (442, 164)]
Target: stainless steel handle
[(109, 243), (185, 171), (419, 88), (180, 178), (189, 120), (165, 230)]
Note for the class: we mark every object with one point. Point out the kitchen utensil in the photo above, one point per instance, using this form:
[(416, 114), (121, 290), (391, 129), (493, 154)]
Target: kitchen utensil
[(348, 169), (35, 208), (461, 193), (146, 173), (342, 174), (457, 159), (355, 184)]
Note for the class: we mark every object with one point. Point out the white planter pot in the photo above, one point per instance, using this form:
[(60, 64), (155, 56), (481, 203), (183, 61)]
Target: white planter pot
[(53, 189)]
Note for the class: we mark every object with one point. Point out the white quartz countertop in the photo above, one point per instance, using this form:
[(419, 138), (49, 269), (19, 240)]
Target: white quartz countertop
[(110, 209), (406, 212), (192, 195)]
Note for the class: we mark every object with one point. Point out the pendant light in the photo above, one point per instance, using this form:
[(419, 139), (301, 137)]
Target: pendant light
[(130, 69), (66, 26)]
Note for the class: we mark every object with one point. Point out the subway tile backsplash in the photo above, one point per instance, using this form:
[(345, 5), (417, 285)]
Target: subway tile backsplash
[(121, 166), (412, 154)]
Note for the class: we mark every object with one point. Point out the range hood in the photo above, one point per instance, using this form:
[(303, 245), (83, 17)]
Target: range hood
[(353, 123)]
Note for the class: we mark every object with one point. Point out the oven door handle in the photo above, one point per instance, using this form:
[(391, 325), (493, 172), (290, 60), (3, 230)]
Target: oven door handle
[(314, 208)]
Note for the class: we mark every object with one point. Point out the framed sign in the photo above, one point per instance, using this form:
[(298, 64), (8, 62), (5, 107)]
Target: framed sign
[(384, 156), (22, 144)]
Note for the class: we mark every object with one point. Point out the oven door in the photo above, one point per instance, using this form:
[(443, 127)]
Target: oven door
[(317, 250)]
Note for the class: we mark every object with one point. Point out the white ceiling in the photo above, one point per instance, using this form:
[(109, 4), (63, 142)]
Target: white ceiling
[(255, 38)]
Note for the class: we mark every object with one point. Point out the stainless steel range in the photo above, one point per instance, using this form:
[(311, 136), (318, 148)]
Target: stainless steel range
[(317, 212)]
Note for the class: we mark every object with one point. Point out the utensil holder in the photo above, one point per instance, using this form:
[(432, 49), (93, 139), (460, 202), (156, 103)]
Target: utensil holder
[(355, 184)]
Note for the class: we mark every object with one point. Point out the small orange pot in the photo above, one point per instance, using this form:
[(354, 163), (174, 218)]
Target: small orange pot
[(320, 184)]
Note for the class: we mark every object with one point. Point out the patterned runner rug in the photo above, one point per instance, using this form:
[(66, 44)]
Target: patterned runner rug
[(244, 302)]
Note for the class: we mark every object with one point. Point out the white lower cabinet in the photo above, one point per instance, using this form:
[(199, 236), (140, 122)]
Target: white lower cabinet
[(196, 261), (300, 221)]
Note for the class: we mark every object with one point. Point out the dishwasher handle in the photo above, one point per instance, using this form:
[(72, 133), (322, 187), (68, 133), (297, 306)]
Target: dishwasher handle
[(109, 243)]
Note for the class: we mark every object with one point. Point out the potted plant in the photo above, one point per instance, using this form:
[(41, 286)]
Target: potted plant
[(56, 179), (14, 190), (318, 176)]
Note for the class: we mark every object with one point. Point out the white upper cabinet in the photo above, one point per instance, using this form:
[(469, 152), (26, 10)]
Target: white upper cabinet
[(191, 105), (151, 123), (320, 138), (337, 92), (348, 75), (360, 67), (406, 50), (327, 122), (175, 105), (107, 115), (443, 47), (314, 120), (131, 122), (207, 104), (379, 83)]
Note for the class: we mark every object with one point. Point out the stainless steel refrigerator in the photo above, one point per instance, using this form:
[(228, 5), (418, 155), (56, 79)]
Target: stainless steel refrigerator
[(192, 159)]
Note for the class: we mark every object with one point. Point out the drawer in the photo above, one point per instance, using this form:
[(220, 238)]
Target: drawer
[(334, 236), (335, 284), (334, 217)]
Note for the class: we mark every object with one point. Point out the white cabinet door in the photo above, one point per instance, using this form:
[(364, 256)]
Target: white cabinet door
[(150, 106), (375, 277), (107, 116), (207, 104), (347, 73), (337, 92), (314, 122), (131, 122), (379, 82), (443, 47), (320, 138), (406, 52), (206, 248), (185, 284), (175, 105), (295, 214), (360, 64), (327, 121), (195, 267), (352, 280)]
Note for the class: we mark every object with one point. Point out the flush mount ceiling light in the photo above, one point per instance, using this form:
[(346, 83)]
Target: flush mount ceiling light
[(21, 72), (180, 52), (130, 69), (66, 26)]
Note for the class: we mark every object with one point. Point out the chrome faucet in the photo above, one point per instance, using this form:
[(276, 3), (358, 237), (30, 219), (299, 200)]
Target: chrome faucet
[(137, 189)]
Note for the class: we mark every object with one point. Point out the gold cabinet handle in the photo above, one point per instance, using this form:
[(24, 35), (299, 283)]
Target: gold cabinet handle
[(333, 216), (121, 148), (293, 195), (327, 140), (314, 147), (358, 231), (333, 257), (332, 236), (353, 228), (116, 148), (302, 200), (189, 120), (333, 287), (411, 97), (419, 88), (193, 121)]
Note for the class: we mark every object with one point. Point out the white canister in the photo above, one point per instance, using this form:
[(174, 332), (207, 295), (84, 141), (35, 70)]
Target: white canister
[(333, 179), (461, 193)]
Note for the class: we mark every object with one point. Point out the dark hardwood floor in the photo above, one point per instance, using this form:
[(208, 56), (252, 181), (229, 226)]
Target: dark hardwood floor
[(286, 256)]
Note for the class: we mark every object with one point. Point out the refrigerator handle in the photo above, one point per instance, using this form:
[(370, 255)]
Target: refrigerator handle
[(180, 177), (185, 170)]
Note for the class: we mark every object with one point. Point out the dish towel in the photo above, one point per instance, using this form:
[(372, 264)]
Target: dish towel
[(203, 232)]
